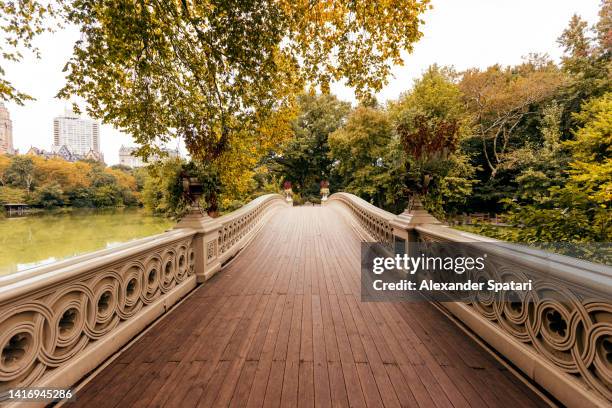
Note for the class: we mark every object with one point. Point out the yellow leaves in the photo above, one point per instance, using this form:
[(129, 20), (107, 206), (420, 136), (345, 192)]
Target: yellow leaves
[(4, 162), (124, 180), (68, 175), (355, 40), (236, 164), (593, 178), (594, 140), (591, 170), (209, 72)]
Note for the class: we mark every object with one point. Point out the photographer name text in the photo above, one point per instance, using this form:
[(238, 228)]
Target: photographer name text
[(432, 286)]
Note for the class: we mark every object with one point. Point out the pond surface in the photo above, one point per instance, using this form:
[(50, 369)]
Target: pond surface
[(35, 240)]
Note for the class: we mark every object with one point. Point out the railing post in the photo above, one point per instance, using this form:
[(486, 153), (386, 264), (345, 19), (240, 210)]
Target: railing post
[(404, 225), (206, 242)]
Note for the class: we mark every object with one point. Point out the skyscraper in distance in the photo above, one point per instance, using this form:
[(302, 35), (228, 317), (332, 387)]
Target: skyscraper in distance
[(80, 135), (6, 131)]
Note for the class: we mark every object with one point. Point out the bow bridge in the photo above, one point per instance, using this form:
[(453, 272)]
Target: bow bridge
[(263, 306)]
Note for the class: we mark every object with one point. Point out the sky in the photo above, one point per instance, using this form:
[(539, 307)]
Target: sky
[(464, 34)]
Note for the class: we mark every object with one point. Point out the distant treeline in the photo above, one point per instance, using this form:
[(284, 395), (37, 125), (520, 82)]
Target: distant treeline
[(49, 183)]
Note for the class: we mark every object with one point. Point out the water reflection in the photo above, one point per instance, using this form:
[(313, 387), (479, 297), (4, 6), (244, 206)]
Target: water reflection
[(35, 240)]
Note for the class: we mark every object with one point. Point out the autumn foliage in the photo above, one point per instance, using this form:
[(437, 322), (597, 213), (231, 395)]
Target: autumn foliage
[(49, 183)]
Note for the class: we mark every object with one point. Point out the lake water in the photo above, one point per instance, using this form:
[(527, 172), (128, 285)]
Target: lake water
[(35, 240)]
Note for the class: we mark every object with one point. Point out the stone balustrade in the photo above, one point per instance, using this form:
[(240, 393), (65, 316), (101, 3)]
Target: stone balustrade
[(375, 221), (220, 239), (58, 322), (238, 226), (564, 345)]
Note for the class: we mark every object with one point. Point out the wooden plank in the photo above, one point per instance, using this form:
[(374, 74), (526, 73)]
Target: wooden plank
[(321, 374), (213, 386), (306, 331), (381, 378), (290, 383), (275, 384), (149, 393), (337, 385), (198, 385), (184, 387), (260, 383), (306, 395), (368, 384), (282, 339), (243, 390), (153, 371), (99, 383), (349, 369)]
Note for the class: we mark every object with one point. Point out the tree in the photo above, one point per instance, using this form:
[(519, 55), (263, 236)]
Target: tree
[(325, 41), (603, 28), (107, 196), (500, 99), (235, 169), (163, 190), (68, 175), (11, 195), (363, 156), (304, 159), (540, 165), (431, 121), (123, 178), (591, 168), (49, 196), (81, 197), (212, 71), (587, 60), (579, 209), (121, 167), (20, 173), (215, 72)]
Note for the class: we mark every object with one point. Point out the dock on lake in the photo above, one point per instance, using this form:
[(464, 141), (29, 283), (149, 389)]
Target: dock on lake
[(16, 208)]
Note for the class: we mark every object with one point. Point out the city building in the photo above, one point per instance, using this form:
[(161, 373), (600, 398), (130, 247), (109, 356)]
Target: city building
[(64, 153), (127, 156), (6, 131), (79, 135)]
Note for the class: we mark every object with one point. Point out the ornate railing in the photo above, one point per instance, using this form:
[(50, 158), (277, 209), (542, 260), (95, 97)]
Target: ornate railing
[(560, 334), (237, 226), (565, 345), (59, 322), (375, 221)]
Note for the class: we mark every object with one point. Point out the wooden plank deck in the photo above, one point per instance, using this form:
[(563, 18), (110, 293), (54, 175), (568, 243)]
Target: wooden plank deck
[(283, 325)]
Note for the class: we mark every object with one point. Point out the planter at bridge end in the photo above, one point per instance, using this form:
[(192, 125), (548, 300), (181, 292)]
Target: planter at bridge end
[(205, 243)]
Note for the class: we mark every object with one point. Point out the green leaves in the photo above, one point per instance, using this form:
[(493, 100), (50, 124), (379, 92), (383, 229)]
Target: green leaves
[(20, 22), (210, 71), (304, 159)]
